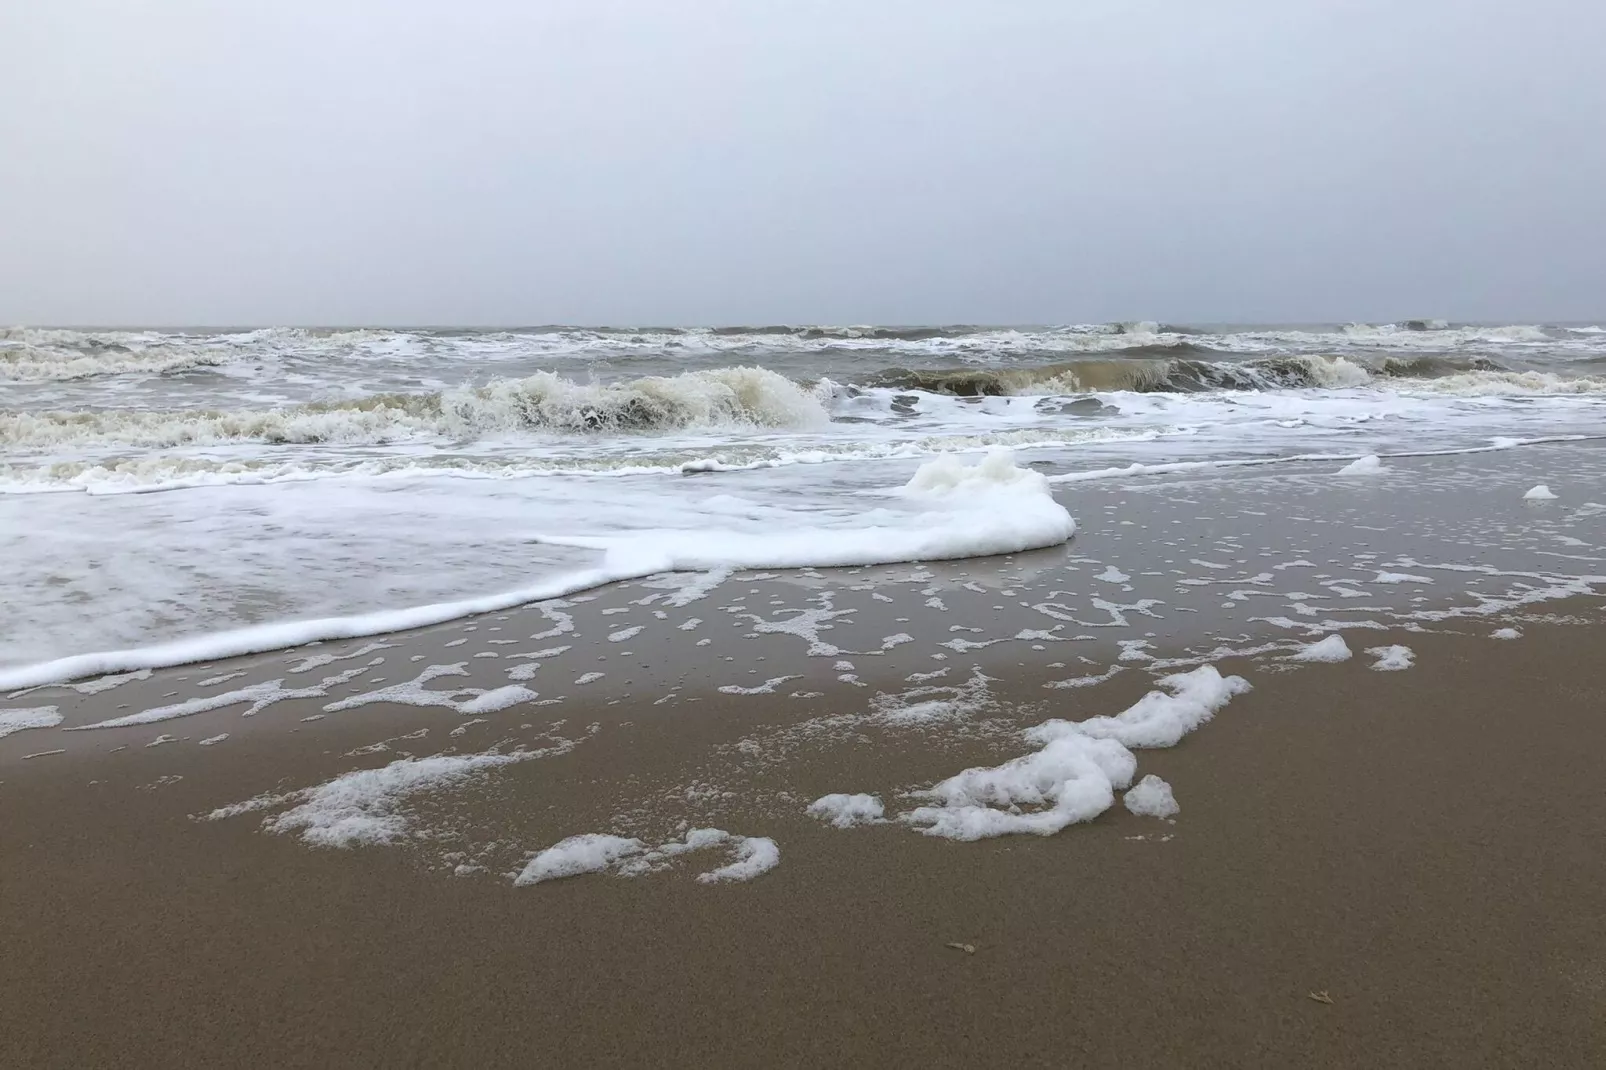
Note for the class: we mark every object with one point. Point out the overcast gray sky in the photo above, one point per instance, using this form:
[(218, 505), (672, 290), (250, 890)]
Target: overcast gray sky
[(648, 161)]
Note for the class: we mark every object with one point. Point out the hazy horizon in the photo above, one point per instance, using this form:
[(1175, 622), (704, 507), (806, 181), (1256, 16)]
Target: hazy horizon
[(1221, 326), (622, 162)]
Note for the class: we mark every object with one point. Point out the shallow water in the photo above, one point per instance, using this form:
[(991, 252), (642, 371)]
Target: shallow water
[(157, 486)]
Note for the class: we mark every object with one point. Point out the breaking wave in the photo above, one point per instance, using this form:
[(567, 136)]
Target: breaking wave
[(740, 397), (751, 397)]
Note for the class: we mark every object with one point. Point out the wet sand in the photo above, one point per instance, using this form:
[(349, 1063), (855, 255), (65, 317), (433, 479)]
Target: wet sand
[(1422, 847)]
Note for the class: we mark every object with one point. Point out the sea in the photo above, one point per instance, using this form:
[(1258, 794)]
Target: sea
[(173, 494)]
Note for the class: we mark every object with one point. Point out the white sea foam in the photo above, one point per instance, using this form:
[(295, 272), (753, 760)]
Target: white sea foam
[(1392, 658), (954, 510), (295, 633), (1090, 680), (318, 661), (1541, 493), (1151, 797), (920, 707), (977, 510), (590, 852), (24, 719), (846, 811), (466, 701), (367, 806), (752, 856), (1400, 577), (373, 806), (1362, 466), (766, 688), (1502, 383), (255, 697), (1329, 650), (341, 462), (1075, 774), (1160, 718), (106, 683), (755, 856)]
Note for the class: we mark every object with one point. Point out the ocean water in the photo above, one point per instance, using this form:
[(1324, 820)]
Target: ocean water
[(173, 487)]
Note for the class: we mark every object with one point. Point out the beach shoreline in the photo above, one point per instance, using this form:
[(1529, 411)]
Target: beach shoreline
[(324, 854)]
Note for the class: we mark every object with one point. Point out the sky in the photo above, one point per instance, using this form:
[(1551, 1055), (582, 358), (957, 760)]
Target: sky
[(480, 162)]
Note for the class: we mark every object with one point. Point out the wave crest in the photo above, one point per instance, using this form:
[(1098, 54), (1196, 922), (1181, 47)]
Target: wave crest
[(752, 397)]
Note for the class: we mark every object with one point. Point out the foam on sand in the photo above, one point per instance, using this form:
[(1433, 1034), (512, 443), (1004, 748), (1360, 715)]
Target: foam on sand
[(1158, 719), (1330, 650), (755, 855), (1505, 633), (467, 701), (846, 811), (1075, 775), (752, 856), (22, 720), (590, 852), (1151, 797), (766, 688), (1392, 658), (366, 806), (1541, 493), (106, 683), (257, 698), (370, 806)]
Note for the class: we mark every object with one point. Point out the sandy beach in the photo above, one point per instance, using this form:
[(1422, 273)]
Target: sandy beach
[(1418, 847), (1380, 868)]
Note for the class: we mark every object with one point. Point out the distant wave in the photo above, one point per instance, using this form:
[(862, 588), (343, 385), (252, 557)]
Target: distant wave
[(1144, 375), (1192, 375), (29, 355), (46, 355)]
